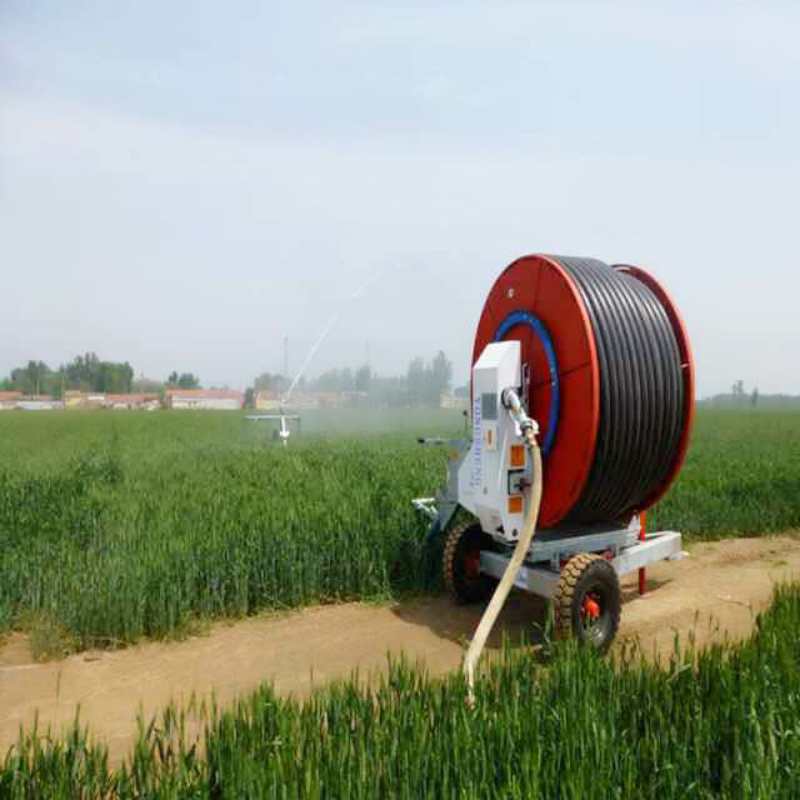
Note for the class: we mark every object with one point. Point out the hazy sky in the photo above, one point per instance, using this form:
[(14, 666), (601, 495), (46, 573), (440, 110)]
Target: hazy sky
[(183, 184)]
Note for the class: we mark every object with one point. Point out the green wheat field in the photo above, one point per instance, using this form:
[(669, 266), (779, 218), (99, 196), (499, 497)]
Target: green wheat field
[(116, 526), (723, 723), (119, 526)]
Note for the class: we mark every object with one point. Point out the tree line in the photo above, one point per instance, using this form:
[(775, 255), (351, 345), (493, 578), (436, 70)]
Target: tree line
[(89, 373), (739, 398), (422, 385)]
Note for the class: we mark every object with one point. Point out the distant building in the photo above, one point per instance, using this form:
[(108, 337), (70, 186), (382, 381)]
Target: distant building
[(205, 399), (267, 400), (309, 400), (73, 399), (8, 400), (353, 398), (451, 400), (77, 399), (142, 402), (39, 402)]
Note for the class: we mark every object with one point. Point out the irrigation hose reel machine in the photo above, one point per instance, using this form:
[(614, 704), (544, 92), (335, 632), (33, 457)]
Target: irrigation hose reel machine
[(582, 404)]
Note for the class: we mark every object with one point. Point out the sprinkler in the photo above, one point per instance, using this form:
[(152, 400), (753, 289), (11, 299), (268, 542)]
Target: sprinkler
[(283, 430), (581, 409)]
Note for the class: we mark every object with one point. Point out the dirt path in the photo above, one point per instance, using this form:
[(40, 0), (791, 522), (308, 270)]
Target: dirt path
[(727, 582)]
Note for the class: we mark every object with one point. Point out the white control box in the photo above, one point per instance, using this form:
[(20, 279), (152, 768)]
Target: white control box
[(492, 477)]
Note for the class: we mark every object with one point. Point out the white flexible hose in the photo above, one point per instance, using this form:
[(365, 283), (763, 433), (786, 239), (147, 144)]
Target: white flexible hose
[(507, 581)]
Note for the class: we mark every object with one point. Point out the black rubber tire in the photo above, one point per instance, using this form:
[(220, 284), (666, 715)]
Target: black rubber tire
[(463, 541), (588, 574)]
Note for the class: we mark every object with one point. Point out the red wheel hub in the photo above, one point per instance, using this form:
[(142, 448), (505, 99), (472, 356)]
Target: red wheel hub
[(472, 565), (591, 608)]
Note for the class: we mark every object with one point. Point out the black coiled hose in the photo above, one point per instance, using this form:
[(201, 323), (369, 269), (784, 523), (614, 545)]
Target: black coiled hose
[(641, 391)]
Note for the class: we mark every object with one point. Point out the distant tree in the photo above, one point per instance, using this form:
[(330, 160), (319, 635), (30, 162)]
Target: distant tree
[(389, 392), (89, 373), (86, 373), (28, 379), (270, 382), (36, 378), (142, 385), (82, 371), (441, 375), (37, 371), (334, 380), (754, 397), (186, 380), (112, 378), (363, 378), (417, 381), (777, 402), (427, 382)]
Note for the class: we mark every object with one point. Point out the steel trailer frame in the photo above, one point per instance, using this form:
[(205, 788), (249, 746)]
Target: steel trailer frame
[(628, 549)]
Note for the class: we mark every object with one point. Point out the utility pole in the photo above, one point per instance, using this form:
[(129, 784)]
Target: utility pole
[(286, 361)]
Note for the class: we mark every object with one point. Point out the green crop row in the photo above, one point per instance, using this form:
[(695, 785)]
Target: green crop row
[(724, 723), (115, 527), (210, 534), (741, 477)]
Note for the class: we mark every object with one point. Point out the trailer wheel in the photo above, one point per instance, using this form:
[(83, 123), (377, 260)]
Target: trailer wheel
[(461, 563), (588, 601)]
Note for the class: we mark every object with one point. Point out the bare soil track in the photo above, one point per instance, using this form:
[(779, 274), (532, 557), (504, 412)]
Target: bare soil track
[(715, 592)]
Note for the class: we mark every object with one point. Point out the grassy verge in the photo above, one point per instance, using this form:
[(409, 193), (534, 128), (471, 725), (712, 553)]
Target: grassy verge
[(721, 723)]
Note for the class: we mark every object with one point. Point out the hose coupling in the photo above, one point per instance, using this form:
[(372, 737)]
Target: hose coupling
[(528, 426)]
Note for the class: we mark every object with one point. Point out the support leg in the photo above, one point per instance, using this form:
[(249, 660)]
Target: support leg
[(642, 536)]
